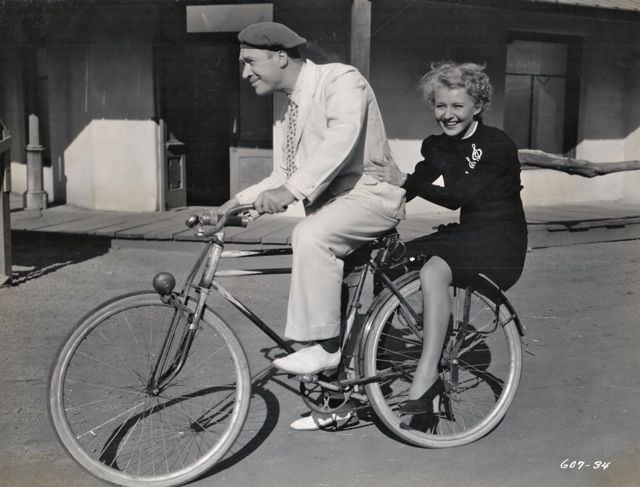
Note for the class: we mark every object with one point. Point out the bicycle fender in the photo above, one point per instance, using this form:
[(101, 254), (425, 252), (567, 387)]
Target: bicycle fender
[(491, 290)]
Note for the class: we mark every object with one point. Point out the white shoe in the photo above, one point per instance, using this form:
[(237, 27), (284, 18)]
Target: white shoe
[(314, 422), (308, 361)]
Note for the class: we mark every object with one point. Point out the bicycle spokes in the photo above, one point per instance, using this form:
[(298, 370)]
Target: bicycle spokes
[(113, 424), (479, 366)]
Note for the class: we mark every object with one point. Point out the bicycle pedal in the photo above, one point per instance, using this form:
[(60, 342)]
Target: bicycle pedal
[(328, 374)]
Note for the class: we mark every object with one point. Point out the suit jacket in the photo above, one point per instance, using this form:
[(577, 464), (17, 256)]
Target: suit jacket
[(339, 130)]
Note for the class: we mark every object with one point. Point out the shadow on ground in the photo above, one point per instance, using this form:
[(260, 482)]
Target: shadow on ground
[(35, 254)]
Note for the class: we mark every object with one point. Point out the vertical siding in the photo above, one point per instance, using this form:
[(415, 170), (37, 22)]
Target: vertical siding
[(408, 36), (12, 103), (406, 41), (101, 69), (324, 23)]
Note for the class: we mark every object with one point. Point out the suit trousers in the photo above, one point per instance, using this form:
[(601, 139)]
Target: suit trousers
[(320, 242)]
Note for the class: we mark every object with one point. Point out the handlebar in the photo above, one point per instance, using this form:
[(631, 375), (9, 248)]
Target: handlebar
[(230, 218)]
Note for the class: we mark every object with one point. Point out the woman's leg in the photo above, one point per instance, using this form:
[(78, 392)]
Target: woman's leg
[(435, 278)]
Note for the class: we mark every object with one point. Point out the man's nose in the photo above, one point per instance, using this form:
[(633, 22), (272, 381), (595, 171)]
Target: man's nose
[(246, 71)]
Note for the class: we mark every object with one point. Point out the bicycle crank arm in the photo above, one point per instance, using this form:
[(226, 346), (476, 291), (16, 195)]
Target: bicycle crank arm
[(346, 384)]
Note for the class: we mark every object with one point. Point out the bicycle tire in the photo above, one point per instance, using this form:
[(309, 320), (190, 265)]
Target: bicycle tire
[(119, 432), (488, 366)]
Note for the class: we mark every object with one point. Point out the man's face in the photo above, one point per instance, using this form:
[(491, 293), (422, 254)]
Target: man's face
[(263, 69)]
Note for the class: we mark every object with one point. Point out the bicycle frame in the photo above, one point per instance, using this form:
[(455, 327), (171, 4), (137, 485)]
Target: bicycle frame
[(208, 261)]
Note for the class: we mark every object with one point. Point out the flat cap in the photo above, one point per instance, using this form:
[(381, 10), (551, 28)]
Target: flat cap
[(269, 35)]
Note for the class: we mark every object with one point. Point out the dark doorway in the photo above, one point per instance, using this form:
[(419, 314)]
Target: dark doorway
[(542, 92), (198, 100)]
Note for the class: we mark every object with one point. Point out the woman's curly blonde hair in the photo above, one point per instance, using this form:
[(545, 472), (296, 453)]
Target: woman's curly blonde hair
[(449, 74)]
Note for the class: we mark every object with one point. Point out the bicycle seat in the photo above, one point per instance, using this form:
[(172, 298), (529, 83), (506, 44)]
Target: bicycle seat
[(385, 240), (360, 256)]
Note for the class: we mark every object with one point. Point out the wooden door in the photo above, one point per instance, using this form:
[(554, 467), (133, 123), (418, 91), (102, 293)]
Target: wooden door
[(198, 100)]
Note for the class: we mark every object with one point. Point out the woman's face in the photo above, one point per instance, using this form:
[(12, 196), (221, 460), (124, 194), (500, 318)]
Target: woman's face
[(454, 111)]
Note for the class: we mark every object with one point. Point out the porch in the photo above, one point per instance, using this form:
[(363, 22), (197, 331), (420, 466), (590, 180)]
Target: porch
[(553, 225)]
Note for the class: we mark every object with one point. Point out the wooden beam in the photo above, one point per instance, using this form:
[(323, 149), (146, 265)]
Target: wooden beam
[(360, 53), (580, 167), (5, 215)]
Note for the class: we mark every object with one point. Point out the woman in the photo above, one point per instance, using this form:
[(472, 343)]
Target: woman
[(481, 172)]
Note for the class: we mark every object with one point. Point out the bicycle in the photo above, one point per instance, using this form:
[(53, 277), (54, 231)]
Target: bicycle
[(152, 388)]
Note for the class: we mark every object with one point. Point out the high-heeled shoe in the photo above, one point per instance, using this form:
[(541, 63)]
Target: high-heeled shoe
[(423, 404), (426, 423)]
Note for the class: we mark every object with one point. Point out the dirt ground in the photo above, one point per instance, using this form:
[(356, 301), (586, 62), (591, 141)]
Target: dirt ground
[(579, 398)]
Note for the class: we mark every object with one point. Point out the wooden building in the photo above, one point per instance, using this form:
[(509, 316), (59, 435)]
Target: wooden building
[(142, 107)]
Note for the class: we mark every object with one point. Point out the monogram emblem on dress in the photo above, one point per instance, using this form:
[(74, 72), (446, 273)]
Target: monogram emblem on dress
[(476, 155)]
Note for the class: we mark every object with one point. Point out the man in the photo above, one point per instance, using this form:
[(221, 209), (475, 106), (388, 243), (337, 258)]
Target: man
[(322, 140)]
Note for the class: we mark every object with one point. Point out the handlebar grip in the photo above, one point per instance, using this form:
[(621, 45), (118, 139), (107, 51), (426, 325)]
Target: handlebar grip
[(232, 218), (237, 221)]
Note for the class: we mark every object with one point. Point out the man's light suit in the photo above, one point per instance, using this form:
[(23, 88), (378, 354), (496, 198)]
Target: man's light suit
[(339, 129)]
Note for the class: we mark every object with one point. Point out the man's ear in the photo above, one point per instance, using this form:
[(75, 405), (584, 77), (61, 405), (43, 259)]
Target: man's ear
[(283, 59)]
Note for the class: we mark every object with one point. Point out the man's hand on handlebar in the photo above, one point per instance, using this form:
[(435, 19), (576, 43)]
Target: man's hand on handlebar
[(274, 200), (232, 203)]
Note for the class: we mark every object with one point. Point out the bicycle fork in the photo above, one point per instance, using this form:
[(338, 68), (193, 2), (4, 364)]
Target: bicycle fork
[(162, 375)]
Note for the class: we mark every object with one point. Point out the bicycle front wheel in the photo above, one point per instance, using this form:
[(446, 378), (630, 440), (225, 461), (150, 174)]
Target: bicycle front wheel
[(117, 428), (480, 366)]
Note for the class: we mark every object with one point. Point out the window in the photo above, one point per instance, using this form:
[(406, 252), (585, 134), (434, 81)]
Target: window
[(226, 18), (541, 100)]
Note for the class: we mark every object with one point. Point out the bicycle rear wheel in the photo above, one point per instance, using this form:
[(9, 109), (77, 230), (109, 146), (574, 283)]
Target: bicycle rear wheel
[(115, 427), (480, 365)]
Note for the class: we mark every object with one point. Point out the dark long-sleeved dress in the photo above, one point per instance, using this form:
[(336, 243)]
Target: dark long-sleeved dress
[(481, 178)]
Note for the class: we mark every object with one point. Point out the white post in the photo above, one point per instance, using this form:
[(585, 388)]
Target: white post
[(35, 198)]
